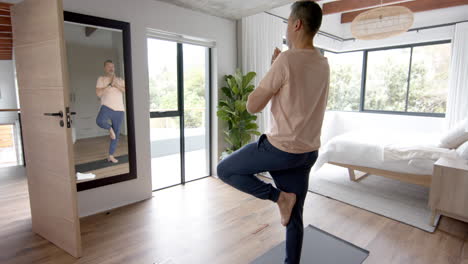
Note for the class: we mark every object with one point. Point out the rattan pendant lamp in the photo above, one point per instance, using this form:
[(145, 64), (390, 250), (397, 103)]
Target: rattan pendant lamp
[(382, 22)]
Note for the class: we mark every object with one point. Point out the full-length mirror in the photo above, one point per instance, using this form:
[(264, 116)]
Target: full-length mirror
[(100, 93)]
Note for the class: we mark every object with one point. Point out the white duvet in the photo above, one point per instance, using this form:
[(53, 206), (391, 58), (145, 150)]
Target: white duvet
[(395, 151)]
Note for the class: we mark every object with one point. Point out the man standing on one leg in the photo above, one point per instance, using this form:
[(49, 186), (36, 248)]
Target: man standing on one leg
[(110, 89), (297, 85)]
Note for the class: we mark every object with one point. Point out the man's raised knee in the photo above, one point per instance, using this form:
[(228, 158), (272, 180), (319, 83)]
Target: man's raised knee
[(221, 170)]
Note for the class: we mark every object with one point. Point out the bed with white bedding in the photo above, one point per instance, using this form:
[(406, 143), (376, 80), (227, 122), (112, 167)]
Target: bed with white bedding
[(404, 156)]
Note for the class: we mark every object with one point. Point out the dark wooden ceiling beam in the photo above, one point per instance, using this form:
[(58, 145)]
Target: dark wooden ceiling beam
[(350, 5), (6, 41), (6, 35), (415, 6), (5, 5), (6, 57), (5, 29), (4, 20)]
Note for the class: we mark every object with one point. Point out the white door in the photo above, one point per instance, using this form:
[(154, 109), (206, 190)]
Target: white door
[(41, 66)]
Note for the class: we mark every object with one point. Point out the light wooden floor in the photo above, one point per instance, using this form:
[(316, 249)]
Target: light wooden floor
[(97, 148), (93, 149), (207, 221)]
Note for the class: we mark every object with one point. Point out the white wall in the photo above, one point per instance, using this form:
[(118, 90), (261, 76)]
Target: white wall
[(7, 91), (145, 14)]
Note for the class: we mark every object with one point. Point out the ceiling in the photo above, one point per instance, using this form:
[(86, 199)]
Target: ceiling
[(348, 9), (228, 8)]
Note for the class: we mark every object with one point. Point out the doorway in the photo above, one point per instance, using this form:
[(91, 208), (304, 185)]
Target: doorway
[(179, 85), (11, 153)]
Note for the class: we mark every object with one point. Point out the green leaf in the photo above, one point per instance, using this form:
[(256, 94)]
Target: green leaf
[(226, 77), (252, 117), (248, 78), (246, 137), (251, 126), (222, 103), (249, 89), (238, 77), (226, 92), (240, 106), (222, 115), (227, 110), (256, 133)]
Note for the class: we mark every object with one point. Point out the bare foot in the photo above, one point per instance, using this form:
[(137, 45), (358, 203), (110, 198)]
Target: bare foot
[(286, 202), (112, 133), (112, 159)]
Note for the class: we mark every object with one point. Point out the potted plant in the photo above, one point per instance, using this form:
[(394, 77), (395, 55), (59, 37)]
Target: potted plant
[(232, 109)]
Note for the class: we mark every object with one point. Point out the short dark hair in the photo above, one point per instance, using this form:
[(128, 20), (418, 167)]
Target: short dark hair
[(309, 13), (108, 61)]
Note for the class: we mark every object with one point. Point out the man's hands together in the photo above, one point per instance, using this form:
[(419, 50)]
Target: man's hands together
[(276, 53)]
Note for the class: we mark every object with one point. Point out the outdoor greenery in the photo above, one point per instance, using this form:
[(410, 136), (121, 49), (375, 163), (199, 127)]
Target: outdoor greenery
[(163, 94), (240, 124), (386, 83), (345, 88)]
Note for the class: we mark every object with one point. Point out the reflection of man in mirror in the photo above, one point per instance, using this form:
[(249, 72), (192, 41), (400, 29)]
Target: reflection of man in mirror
[(110, 89)]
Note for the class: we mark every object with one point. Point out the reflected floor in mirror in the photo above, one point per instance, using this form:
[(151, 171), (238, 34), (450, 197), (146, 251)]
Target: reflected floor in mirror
[(91, 157)]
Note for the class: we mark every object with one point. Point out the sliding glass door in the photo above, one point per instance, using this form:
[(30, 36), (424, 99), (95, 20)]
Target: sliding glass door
[(179, 81), (196, 114)]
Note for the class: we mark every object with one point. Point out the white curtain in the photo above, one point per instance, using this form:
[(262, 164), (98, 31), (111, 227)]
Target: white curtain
[(457, 101), (260, 35)]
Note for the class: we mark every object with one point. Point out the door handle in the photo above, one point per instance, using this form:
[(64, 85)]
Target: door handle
[(60, 113)]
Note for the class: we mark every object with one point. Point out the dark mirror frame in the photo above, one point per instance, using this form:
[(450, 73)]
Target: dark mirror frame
[(127, 58)]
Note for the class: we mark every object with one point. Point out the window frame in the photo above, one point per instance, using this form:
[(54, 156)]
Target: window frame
[(364, 77), (180, 112)]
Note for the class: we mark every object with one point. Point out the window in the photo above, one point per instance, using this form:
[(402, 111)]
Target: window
[(429, 79), (411, 79), (387, 79), (345, 80)]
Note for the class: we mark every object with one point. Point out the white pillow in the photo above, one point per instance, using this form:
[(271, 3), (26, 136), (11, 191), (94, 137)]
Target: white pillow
[(462, 150), (455, 136)]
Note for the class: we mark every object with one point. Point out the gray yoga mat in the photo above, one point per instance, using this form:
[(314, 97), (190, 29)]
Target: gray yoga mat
[(319, 247), (99, 164)]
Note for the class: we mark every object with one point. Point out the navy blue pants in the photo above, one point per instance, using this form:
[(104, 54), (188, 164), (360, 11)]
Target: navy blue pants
[(105, 115), (290, 173)]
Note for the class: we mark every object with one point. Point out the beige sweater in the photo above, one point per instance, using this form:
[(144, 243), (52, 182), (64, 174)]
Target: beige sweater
[(112, 97), (297, 85)]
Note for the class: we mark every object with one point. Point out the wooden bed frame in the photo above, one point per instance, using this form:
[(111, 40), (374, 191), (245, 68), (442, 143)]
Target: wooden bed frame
[(357, 173)]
